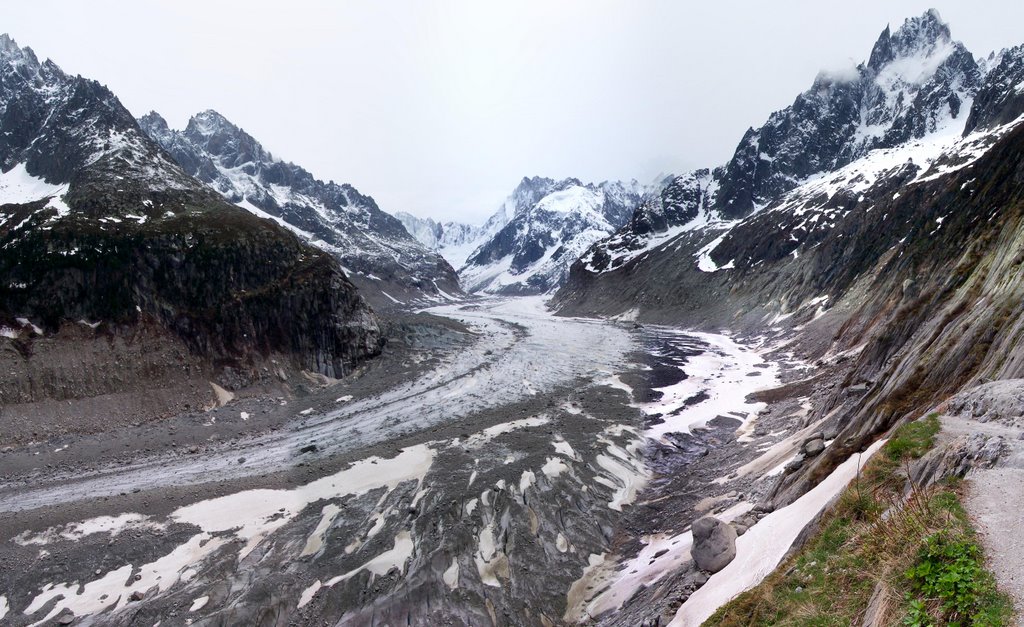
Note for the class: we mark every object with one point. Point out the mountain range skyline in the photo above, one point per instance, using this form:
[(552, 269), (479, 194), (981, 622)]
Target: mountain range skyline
[(434, 131)]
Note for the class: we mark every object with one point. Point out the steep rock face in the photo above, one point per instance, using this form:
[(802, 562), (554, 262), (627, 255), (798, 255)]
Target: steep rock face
[(681, 204), (939, 315), (917, 84), (550, 224), (916, 96), (98, 224), (1001, 98), (372, 245)]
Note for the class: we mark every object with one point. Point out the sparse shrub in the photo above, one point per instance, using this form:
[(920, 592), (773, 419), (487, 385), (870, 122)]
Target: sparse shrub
[(878, 534)]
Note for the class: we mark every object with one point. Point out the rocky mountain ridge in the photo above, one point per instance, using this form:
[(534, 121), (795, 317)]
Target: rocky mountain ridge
[(541, 228), (917, 86), (901, 260), (377, 252), (103, 235)]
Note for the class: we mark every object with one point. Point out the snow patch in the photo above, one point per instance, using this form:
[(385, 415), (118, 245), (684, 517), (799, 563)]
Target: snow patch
[(763, 546)]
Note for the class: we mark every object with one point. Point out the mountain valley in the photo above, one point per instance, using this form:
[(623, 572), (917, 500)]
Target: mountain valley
[(241, 395)]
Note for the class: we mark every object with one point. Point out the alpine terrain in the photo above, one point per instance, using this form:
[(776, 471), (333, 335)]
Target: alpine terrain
[(528, 244), (126, 284), (783, 389), (376, 251)]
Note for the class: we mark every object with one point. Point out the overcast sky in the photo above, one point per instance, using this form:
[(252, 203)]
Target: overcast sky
[(440, 108)]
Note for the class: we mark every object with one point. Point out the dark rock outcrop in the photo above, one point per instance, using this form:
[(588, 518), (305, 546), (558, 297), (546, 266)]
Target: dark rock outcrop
[(120, 236)]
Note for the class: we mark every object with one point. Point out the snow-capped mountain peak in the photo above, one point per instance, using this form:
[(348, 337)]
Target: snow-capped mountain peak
[(58, 124), (372, 245), (919, 36), (550, 223), (920, 109), (455, 241)]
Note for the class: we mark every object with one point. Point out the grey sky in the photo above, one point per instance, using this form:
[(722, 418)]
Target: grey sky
[(439, 108)]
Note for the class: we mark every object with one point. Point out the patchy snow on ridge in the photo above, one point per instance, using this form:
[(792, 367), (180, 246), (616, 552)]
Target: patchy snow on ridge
[(17, 186), (554, 224)]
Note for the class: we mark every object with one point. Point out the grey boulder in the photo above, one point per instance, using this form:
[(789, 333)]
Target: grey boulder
[(714, 544), (814, 447)]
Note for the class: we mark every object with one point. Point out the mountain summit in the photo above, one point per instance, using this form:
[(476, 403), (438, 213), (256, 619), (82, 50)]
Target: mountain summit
[(545, 225), (380, 255)]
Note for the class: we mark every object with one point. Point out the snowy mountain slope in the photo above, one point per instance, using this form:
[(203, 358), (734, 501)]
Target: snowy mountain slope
[(911, 100), (545, 225), (55, 125), (383, 259), (97, 223), (455, 241), (896, 272), (914, 80)]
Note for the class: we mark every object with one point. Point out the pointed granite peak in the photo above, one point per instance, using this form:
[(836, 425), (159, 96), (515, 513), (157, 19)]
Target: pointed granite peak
[(12, 53), (918, 36), (223, 139), (209, 122), (154, 121)]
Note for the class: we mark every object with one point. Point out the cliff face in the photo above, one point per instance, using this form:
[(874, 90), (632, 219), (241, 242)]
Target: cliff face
[(939, 316)]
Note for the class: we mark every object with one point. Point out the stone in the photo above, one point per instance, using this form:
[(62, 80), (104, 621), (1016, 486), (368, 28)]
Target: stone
[(817, 435), (856, 390), (65, 618), (795, 464), (814, 447), (714, 544)]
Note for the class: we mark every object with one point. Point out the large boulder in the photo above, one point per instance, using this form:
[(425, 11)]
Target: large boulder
[(814, 447), (714, 544)]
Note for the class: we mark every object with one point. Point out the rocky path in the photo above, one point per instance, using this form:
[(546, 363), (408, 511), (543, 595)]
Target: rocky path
[(995, 496), (994, 500)]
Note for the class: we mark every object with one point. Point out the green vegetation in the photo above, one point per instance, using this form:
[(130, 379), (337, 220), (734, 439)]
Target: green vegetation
[(912, 557), (950, 573), (913, 440)]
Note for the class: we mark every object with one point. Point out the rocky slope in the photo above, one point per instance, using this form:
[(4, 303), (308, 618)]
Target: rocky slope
[(541, 229), (106, 244), (893, 257), (377, 252), (893, 265)]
